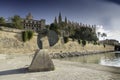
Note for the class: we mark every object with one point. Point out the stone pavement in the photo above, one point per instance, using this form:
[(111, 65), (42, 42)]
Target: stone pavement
[(12, 68)]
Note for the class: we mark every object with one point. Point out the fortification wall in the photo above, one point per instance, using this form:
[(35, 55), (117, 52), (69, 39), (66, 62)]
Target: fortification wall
[(11, 42)]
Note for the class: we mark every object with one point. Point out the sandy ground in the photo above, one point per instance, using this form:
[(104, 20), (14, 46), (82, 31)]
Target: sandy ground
[(12, 68)]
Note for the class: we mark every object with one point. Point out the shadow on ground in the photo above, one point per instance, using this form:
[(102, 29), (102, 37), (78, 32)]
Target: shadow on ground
[(14, 71)]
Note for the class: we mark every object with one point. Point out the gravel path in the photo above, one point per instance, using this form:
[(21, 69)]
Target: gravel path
[(12, 68)]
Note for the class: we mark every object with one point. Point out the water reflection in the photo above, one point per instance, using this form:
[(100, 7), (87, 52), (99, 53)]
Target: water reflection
[(109, 59)]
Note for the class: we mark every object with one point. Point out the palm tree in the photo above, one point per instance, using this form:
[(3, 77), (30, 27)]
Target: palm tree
[(104, 35), (98, 34)]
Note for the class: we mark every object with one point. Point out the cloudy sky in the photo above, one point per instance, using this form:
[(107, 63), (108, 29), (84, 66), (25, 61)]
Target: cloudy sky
[(103, 13)]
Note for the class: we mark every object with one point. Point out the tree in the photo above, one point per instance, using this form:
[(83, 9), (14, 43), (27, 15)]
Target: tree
[(94, 37), (16, 21), (47, 27), (103, 35), (85, 33), (2, 21), (54, 27)]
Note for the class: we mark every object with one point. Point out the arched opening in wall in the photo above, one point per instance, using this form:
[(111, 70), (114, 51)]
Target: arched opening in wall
[(117, 48)]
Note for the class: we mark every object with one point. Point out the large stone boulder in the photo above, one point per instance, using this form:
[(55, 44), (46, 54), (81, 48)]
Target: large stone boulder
[(41, 62)]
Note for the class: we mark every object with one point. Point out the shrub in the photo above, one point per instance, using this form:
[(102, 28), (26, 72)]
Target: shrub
[(1, 29), (95, 43), (24, 36), (29, 34), (104, 45), (79, 41), (72, 37), (83, 43), (99, 44), (88, 42), (65, 39)]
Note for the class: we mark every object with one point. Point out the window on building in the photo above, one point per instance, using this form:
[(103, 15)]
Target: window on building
[(30, 21), (37, 29), (32, 28), (34, 22)]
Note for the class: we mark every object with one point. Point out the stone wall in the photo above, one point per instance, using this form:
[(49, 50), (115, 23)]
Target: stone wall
[(11, 42), (70, 49), (74, 49)]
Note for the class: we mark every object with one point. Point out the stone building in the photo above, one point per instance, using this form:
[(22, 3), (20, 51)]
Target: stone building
[(110, 42), (35, 25)]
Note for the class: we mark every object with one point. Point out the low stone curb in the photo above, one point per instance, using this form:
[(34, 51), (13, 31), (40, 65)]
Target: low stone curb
[(74, 54)]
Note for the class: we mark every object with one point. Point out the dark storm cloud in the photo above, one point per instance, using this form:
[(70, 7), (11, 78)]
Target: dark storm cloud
[(114, 1)]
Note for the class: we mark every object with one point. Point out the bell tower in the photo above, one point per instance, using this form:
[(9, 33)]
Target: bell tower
[(29, 16)]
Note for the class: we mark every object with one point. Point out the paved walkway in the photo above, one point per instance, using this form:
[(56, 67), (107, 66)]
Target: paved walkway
[(12, 68)]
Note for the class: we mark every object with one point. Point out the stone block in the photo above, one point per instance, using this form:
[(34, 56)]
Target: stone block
[(41, 62)]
